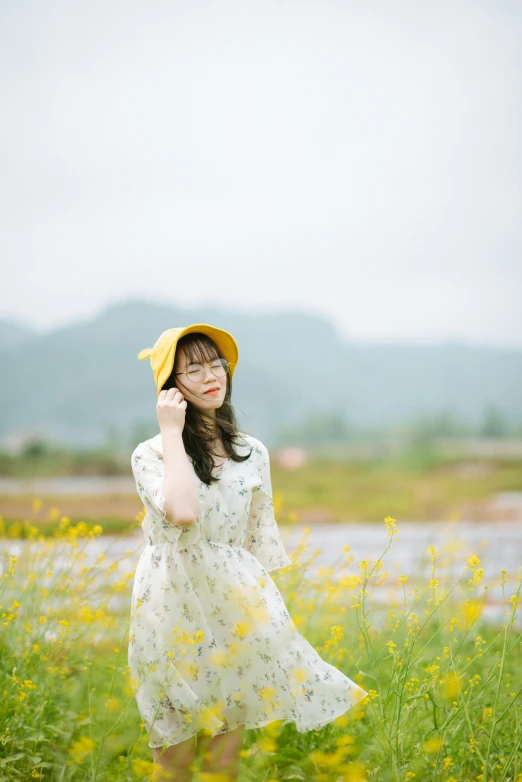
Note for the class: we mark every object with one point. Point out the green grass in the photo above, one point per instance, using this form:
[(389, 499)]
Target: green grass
[(407, 490)]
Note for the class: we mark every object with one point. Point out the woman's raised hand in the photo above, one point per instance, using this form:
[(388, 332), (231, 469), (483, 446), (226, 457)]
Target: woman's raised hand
[(170, 410)]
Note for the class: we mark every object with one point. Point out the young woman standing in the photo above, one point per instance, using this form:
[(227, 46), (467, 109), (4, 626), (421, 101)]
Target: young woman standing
[(212, 647)]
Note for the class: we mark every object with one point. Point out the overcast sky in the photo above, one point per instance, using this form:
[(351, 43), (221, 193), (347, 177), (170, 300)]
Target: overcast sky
[(356, 159)]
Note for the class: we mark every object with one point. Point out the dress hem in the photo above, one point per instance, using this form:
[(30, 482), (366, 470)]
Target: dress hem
[(300, 727)]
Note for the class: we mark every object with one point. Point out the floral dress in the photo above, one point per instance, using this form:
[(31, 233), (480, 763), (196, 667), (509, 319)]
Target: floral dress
[(211, 643)]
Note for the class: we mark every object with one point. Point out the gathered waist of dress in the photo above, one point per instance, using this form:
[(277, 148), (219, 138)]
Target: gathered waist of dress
[(200, 542)]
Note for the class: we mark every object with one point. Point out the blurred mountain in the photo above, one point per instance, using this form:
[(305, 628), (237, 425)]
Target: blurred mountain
[(76, 384), (14, 334)]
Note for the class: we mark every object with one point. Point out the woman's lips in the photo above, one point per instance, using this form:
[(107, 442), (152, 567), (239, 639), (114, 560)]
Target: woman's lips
[(212, 391)]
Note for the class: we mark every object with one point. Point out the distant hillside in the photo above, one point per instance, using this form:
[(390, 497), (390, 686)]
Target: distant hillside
[(14, 334), (78, 382)]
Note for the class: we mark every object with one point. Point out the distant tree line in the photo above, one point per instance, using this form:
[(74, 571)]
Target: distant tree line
[(315, 430), (319, 429)]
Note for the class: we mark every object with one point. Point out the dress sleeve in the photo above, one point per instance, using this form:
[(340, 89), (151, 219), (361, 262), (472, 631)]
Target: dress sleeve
[(263, 538), (148, 470)]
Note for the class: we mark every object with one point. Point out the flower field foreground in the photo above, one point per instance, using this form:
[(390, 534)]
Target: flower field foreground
[(444, 685)]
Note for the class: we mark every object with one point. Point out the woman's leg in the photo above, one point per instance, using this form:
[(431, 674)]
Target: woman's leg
[(176, 760), (221, 752)]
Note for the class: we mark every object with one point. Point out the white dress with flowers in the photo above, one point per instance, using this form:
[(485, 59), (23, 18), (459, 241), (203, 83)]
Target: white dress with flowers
[(211, 643)]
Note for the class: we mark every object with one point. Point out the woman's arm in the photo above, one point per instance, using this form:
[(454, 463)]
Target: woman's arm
[(181, 503)]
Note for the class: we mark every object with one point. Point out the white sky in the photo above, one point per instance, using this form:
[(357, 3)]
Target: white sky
[(357, 159)]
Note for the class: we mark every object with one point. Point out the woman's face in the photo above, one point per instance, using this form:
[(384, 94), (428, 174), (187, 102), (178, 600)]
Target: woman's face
[(195, 392)]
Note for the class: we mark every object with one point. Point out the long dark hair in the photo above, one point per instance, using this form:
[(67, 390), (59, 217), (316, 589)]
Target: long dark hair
[(200, 427)]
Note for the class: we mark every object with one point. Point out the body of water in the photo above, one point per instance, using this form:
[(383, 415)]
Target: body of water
[(498, 546)]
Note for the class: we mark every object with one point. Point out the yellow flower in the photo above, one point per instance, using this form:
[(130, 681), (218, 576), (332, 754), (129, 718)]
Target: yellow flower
[(241, 629), (325, 760), (81, 748), (432, 745), (451, 685), (208, 716), (267, 693), (344, 741), (391, 527), (142, 767), (267, 744), (472, 610)]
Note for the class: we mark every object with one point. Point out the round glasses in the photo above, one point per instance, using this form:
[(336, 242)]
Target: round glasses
[(219, 368)]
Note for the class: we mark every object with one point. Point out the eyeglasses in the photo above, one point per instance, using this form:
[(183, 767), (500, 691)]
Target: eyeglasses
[(219, 367)]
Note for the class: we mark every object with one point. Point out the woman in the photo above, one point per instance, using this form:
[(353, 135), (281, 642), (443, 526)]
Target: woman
[(212, 647)]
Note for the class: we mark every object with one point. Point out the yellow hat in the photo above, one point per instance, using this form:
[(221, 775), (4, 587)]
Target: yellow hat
[(163, 353)]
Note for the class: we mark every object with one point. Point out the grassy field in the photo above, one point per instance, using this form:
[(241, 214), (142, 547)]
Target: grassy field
[(444, 686), (412, 488)]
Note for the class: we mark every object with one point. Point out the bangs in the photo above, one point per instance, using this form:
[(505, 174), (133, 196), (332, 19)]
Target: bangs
[(200, 350)]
